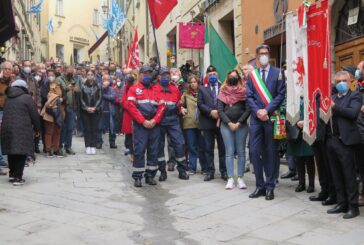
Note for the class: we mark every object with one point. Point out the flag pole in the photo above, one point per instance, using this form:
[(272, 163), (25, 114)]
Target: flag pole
[(156, 46)]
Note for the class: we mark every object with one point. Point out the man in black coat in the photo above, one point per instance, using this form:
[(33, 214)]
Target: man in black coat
[(343, 135), (207, 104)]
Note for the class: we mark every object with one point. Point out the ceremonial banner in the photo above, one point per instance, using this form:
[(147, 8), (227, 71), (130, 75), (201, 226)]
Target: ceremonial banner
[(296, 50), (319, 70), (159, 9), (192, 35), (133, 56)]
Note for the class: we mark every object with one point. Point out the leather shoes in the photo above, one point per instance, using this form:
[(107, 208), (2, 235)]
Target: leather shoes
[(224, 176), (269, 195), (150, 181), (163, 176), (352, 213), (338, 209), (138, 183), (319, 198), (287, 175), (300, 188), (294, 178), (258, 193), (329, 201), (209, 177), (183, 175), (310, 189)]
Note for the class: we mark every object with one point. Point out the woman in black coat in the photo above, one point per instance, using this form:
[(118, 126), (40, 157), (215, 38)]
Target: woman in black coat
[(20, 121)]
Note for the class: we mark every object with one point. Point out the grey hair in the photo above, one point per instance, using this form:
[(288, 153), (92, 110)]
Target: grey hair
[(173, 69), (250, 67), (342, 73), (6, 63), (262, 46)]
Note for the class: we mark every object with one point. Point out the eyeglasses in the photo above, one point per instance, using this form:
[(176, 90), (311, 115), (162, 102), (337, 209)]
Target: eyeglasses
[(339, 81)]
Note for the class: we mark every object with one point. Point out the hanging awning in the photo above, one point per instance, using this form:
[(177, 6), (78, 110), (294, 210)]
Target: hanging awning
[(97, 44), (7, 21)]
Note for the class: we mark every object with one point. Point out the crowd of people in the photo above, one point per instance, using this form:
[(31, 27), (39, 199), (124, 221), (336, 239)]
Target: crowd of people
[(49, 103)]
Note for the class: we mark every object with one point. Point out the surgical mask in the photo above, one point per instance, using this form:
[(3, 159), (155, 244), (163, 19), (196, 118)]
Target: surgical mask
[(147, 80), (175, 78), (264, 60), (118, 84), (118, 70), (51, 78), (357, 74), (164, 81), (27, 69), (90, 77), (342, 87), (213, 79), (37, 78)]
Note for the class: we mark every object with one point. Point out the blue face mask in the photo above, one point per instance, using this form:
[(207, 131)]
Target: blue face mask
[(213, 79), (342, 87), (147, 80), (164, 81), (357, 74)]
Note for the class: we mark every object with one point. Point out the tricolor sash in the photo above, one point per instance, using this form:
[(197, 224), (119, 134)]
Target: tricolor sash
[(278, 119)]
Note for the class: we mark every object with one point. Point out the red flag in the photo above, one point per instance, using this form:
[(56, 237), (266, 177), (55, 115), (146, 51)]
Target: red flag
[(133, 56), (159, 9), (192, 35), (319, 68)]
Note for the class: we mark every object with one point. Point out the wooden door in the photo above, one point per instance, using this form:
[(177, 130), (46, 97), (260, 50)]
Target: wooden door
[(349, 53)]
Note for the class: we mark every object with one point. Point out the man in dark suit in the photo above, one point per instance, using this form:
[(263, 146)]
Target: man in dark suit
[(263, 150), (207, 104), (343, 135)]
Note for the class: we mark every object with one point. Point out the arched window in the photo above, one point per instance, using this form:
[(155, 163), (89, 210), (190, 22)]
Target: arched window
[(345, 32)]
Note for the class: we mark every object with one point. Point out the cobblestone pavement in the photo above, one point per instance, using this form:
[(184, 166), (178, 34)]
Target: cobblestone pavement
[(91, 200)]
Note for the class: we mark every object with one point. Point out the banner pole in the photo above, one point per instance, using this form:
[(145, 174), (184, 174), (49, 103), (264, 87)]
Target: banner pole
[(156, 46)]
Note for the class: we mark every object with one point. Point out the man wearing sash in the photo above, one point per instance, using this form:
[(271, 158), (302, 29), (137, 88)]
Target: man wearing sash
[(266, 92)]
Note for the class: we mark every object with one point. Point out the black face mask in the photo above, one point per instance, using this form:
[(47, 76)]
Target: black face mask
[(233, 81), (69, 76), (57, 74)]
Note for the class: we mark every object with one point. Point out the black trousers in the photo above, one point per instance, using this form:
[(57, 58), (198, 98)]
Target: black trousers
[(209, 139), (323, 168), (359, 161), (342, 165), (16, 165), (90, 122), (302, 163)]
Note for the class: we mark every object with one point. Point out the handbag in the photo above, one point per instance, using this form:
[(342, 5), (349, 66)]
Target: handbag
[(294, 133)]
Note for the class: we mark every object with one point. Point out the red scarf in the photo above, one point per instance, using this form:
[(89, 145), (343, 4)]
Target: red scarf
[(231, 95)]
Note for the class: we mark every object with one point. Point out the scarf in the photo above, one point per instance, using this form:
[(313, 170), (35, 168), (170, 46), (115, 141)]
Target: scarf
[(192, 92), (231, 95)]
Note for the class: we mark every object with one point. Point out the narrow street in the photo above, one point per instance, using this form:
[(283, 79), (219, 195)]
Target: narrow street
[(91, 200)]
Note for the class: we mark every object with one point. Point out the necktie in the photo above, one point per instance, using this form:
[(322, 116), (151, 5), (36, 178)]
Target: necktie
[(214, 95), (263, 75)]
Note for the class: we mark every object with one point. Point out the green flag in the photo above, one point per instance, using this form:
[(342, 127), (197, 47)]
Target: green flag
[(216, 52)]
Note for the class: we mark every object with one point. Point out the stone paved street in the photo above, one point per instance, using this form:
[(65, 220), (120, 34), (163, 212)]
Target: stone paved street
[(91, 200)]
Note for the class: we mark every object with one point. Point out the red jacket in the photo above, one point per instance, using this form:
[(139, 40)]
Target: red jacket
[(127, 125), (172, 98), (144, 103)]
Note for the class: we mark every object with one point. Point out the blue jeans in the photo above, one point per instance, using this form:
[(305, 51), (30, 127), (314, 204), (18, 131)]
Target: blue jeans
[(107, 122), (234, 142), (195, 151), (68, 126)]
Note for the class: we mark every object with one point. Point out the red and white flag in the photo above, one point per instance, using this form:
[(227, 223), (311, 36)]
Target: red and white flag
[(133, 56), (159, 9), (296, 74)]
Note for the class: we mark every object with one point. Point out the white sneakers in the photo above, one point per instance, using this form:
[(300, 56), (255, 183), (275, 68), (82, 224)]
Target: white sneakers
[(241, 183), (90, 150), (230, 184)]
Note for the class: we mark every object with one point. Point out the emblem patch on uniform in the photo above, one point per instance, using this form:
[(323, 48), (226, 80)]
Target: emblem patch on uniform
[(139, 91)]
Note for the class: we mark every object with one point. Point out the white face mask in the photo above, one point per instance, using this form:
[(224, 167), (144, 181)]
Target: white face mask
[(37, 78), (27, 69), (175, 78), (51, 78), (264, 60)]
